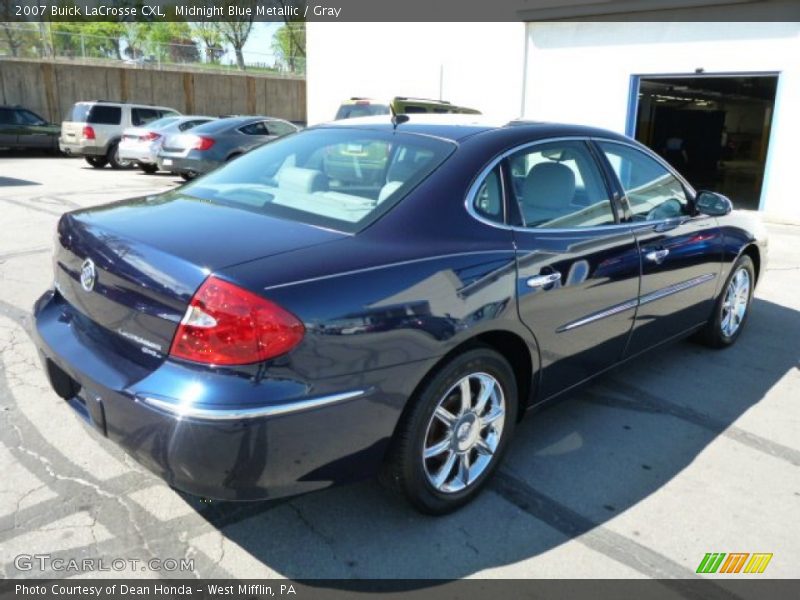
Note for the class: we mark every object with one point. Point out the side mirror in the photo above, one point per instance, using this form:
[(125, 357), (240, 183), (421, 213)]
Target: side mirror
[(712, 204)]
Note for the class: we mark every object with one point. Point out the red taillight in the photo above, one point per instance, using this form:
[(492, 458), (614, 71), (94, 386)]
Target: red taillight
[(226, 325), (87, 133), (202, 143), (150, 136)]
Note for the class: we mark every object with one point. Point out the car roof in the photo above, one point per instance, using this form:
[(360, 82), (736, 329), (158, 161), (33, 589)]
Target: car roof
[(457, 127)]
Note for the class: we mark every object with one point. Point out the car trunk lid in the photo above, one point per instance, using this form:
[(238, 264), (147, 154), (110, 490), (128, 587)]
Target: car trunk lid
[(130, 269)]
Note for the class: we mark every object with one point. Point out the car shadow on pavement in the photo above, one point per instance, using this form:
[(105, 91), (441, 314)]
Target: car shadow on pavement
[(571, 469), (13, 182)]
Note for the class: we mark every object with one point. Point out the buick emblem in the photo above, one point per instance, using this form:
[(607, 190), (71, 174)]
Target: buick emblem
[(88, 275)]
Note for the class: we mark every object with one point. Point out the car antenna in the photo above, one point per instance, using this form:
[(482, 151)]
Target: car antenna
[(397, 119)]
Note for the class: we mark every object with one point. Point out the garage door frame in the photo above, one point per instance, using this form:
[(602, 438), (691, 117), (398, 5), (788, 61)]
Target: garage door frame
[(633, 106)]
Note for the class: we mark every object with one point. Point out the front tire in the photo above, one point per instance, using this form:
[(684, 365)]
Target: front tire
[(456, 432), (732, 307)]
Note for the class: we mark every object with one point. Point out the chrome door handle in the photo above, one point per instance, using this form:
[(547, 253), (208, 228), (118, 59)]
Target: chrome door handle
[(657, 256), (543, 280)]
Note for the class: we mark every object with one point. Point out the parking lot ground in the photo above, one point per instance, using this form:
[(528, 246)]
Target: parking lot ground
[(640, 474)]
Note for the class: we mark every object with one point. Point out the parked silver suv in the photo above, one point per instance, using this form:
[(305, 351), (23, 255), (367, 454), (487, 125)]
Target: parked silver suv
[(94, 129)]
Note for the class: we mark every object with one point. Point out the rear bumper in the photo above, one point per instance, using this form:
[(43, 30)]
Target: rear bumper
[(79, 149), (253, 439), (139, 153), (181, 164)]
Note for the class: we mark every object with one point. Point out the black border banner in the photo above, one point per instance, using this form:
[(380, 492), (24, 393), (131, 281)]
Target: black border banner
[(723, 588), (399, 11)]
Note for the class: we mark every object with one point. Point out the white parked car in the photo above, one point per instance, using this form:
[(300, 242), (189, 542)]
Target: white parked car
[(94, 129), (141, 145)]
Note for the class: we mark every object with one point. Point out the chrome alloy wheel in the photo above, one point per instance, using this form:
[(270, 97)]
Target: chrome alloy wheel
[(734, 306), (464, 432)]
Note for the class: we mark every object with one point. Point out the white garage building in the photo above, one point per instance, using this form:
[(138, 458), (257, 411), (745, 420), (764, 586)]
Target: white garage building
[(731, 91)]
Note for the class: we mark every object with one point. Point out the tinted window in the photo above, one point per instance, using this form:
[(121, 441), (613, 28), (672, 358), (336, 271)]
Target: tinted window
[(338, 178), (218, 126), (351, 111), (280, 128), (653, 192), (6, 116), (80, 112), (488, 202), (190, 124), (559, 185), (257, 128), (105, 115), (26, 117), (143, 116), (162, 123)]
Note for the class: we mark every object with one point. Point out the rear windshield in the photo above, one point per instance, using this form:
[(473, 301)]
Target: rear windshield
[(218, 125), (99, 114), (162, 122), (351, 111), (338, 178)]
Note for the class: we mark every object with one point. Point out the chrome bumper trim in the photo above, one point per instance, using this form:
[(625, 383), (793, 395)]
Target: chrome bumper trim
[(188, 411)]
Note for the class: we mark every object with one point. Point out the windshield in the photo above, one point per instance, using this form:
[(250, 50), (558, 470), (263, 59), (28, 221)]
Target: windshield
[(338, 178), (351, 111)]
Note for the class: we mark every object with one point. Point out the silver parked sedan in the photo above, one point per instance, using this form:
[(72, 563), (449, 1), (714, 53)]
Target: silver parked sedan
[(212, 144), (141, 144)]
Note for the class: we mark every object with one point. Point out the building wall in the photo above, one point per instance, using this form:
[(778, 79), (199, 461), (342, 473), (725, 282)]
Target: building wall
[(479, 65), (51, 89), (581, 73)]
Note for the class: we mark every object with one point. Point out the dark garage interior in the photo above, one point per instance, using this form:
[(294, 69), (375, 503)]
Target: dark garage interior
[(714, 129)]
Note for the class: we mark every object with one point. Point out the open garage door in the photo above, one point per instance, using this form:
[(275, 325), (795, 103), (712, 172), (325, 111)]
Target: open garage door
[(714, 129)]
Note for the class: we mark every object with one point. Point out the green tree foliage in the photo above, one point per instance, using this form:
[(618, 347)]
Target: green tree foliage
[(289, 46), (209, 35), (236, 32)]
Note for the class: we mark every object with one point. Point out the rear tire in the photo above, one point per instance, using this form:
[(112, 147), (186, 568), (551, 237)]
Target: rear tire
[(149, 169), (114, 159), (188, 176), (98, 162), (732, 307), (233, 157), (455, 432)]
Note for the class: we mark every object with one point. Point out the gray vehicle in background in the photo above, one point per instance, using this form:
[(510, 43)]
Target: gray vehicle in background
[(208, 146), (142, 144)]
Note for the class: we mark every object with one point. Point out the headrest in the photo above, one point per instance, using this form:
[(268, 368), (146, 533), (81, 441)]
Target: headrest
[(549, 185), (296, 179)]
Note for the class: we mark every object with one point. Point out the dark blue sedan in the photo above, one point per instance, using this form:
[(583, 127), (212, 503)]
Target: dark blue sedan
[(383, 297)]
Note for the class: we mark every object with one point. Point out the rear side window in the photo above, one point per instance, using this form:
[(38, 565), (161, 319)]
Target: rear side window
[(559, 185), (80, 112), (488, 202), (189, 124), (339, 178), (6, 116), (26, 117), (279, 128), (143, 116), (105, 115), (255, 129)]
